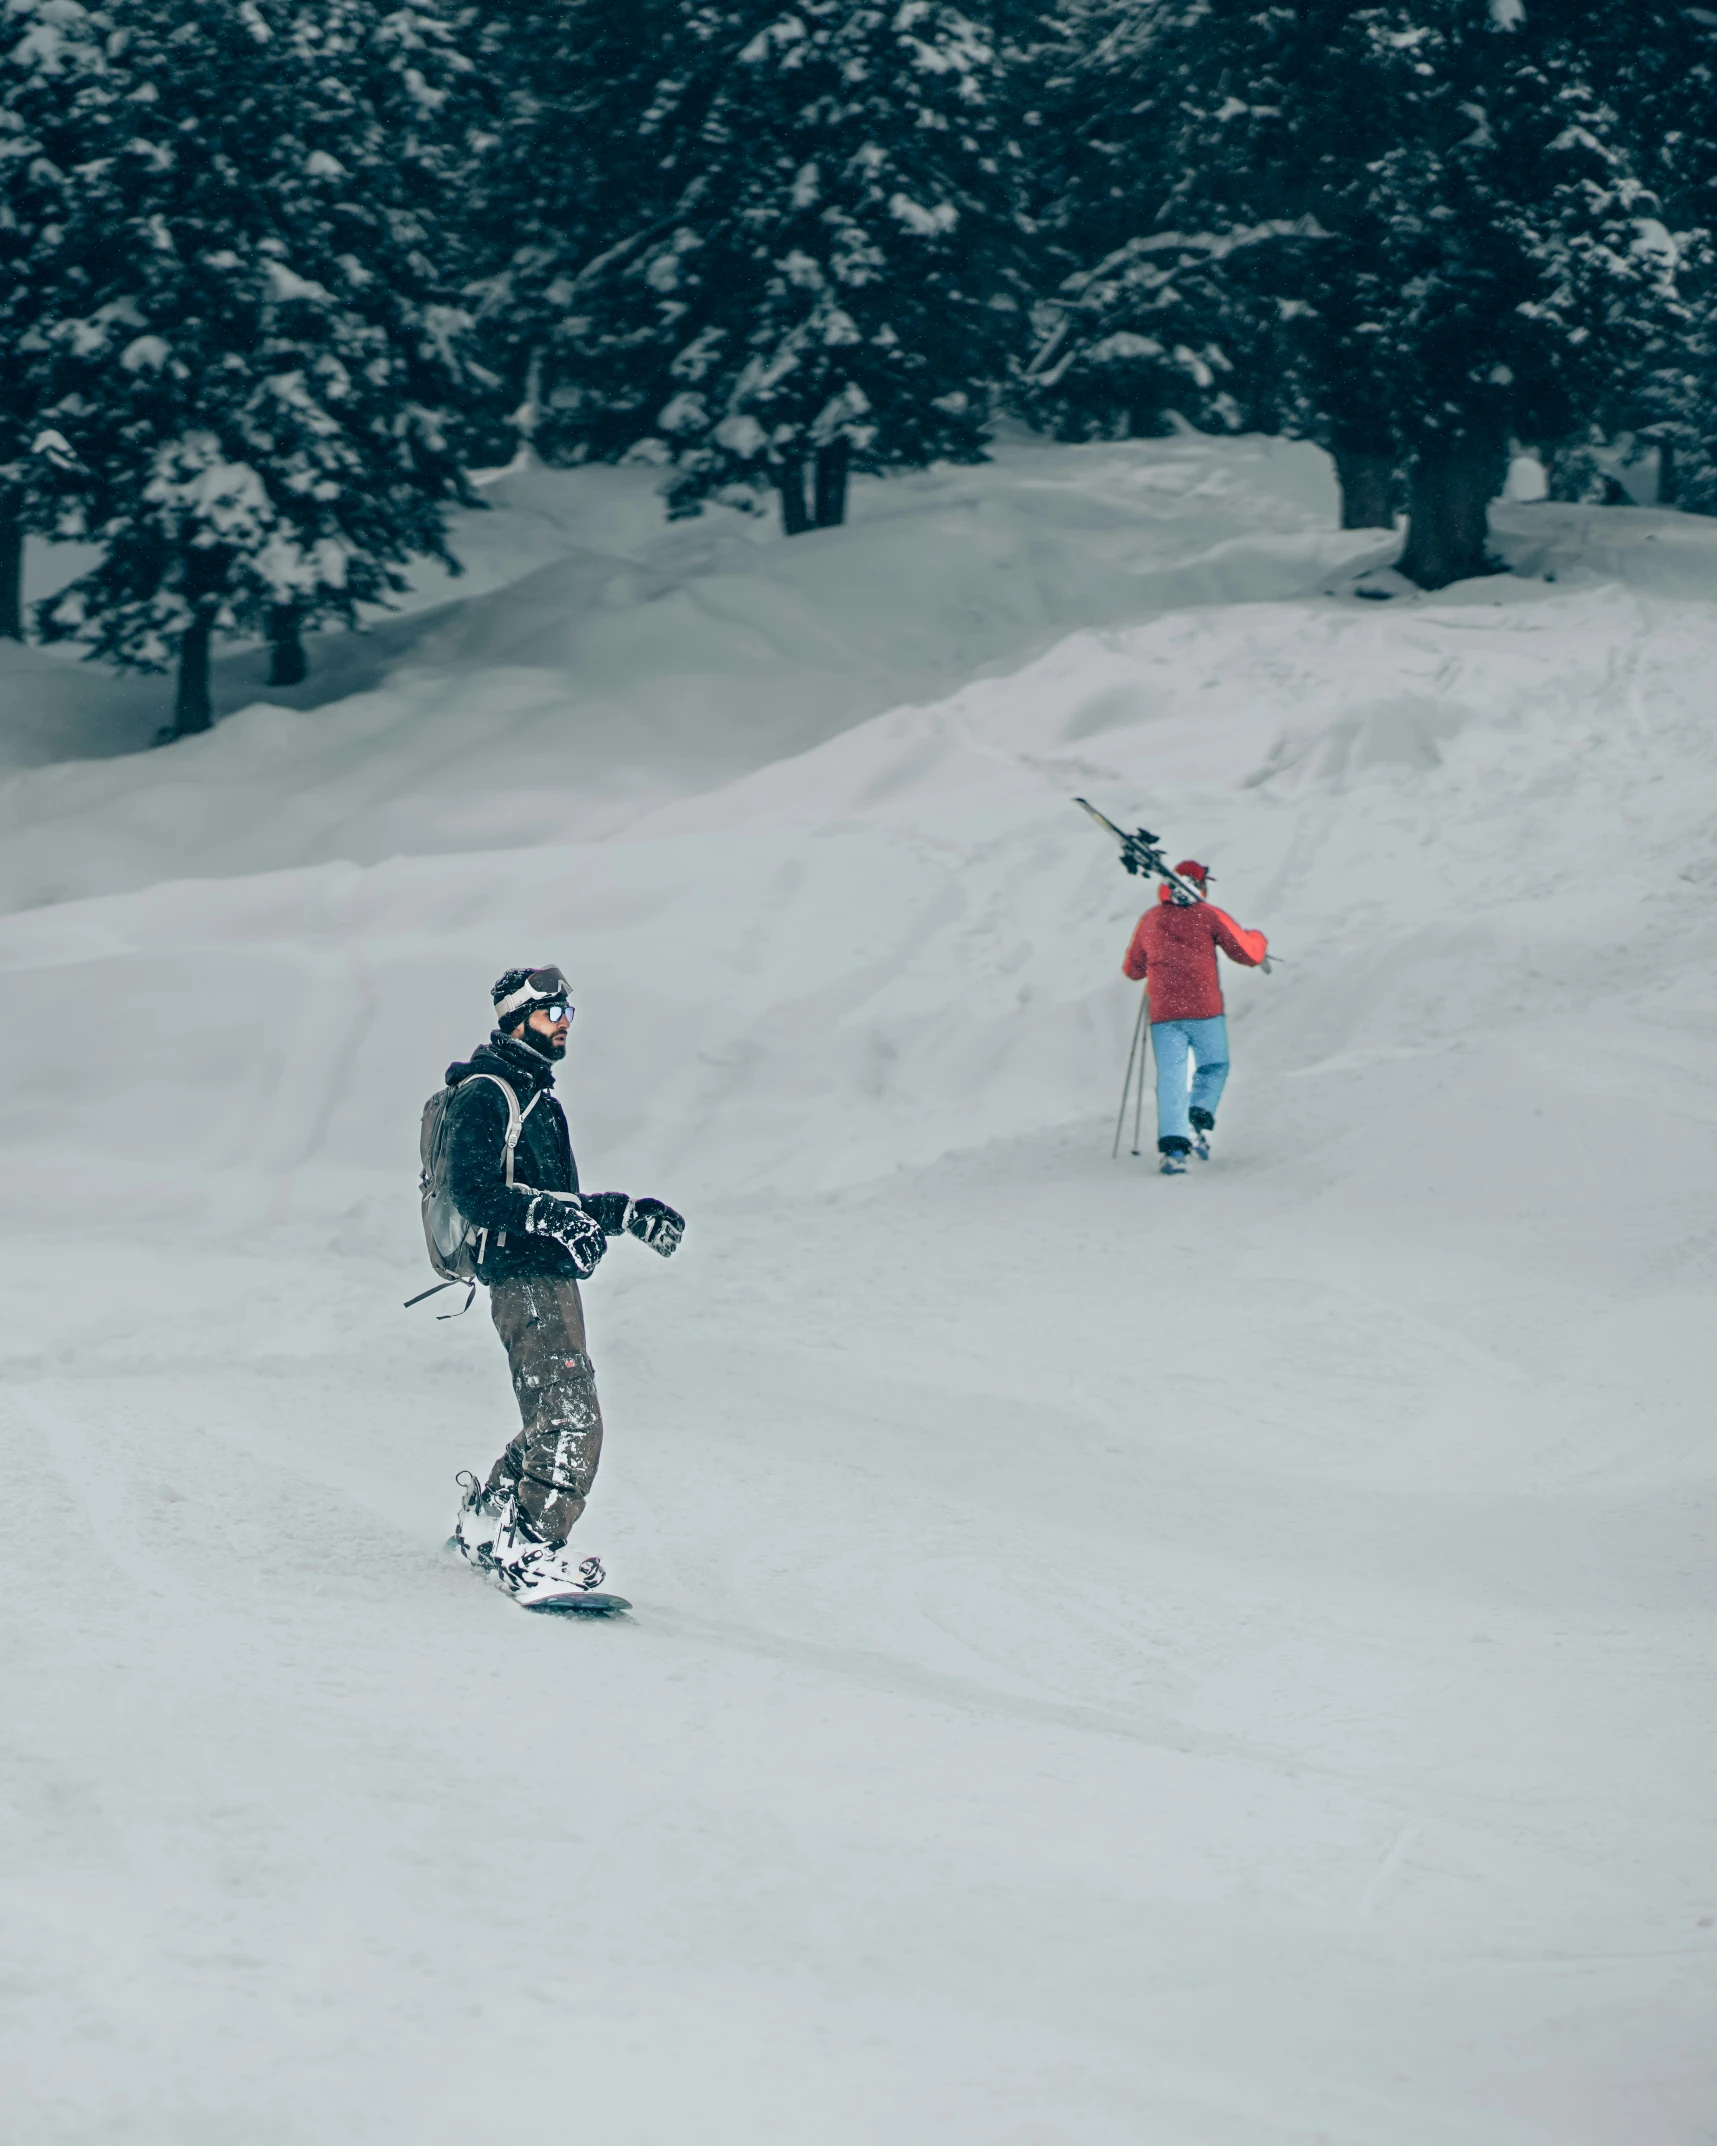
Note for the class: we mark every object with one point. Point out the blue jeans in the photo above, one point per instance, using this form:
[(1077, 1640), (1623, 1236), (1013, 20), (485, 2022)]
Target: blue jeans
[(1173, 1041)]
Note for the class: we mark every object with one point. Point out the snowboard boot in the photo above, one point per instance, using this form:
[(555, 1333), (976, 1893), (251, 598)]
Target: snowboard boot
[(1173, 1152), (1203, 1125), (538, 1574), (491, 1534), (486, 1520)]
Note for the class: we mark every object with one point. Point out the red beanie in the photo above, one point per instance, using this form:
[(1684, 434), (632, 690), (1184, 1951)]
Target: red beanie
[(1190, 868)]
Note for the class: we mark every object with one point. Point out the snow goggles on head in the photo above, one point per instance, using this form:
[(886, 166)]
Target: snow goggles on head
[(539, 985)]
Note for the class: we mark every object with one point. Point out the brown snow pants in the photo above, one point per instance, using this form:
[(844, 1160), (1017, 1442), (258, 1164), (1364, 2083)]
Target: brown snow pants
[(552, 1461)]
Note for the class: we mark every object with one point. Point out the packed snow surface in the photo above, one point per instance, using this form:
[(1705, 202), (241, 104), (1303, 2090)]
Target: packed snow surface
[(1118, 1661)]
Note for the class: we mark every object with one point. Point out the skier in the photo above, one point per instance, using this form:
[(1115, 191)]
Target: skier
[(1174, 951), (540, 1238)]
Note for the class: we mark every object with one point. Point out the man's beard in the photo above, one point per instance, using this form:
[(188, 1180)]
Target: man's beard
[(552, 1047)]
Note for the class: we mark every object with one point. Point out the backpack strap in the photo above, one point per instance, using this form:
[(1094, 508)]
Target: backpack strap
[(515, 1126), (470, 1292), (515, 1117)]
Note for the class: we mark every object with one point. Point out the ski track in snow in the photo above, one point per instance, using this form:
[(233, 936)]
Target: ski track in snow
[(1220, 1662)]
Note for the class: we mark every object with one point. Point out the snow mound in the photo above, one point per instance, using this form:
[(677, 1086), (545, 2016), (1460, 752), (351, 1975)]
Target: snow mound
[(904, 930), (1217, 1660), (626, 670)]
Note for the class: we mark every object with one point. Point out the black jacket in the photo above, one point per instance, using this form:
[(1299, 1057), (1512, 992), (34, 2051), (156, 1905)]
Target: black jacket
[(476, 1156)]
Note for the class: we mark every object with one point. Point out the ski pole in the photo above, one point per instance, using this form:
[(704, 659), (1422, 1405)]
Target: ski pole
[(1144, 1060), (1127, 1083)]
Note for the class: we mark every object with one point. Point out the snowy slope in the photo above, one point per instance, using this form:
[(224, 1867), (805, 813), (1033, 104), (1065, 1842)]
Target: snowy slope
[(1215, 1661), (629, 663)]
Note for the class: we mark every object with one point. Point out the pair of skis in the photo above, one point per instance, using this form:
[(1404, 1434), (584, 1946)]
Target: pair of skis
[(1142, 854)]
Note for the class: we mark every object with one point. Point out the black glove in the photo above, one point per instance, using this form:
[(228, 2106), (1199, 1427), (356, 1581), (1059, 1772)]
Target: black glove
[(562, 1216), (613, 1210), (654, 1222)]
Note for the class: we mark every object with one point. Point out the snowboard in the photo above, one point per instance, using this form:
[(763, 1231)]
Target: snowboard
[(572, 1604)]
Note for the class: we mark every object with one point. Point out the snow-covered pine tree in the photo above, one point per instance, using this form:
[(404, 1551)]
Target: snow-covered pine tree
[(1524, 255), (1165, 327), (258, 375), (1658, 65), (1465, 246), (1165, 163), (838, 283), (51, 49), (568, 182)]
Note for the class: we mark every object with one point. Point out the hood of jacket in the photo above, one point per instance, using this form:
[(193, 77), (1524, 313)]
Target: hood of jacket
[(525, 1069)]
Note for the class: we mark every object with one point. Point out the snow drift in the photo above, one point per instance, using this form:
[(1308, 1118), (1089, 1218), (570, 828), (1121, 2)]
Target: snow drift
[(1209, 1660)]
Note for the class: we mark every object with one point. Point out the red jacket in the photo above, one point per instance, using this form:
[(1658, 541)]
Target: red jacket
[(1174, 950)]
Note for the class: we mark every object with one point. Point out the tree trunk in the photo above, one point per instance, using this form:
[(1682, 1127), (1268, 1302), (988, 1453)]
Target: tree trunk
[(1367, 479), (191, 703), (790, 480), (833, 462), (1667, 474), (11, 575), (288, 664), (1450, 491)]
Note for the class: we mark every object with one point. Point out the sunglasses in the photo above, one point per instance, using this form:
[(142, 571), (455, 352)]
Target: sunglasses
[(556, 1013)]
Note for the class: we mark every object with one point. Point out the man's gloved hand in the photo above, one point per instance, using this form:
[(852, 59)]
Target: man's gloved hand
[(563, 1217), (654, 1222), (613, 1210)]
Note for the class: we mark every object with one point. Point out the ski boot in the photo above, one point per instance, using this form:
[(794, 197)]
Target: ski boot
[(1171, 1156), (1203, 1125)]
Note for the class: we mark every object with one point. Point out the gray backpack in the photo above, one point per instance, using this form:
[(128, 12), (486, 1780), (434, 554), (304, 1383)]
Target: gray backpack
[(456, 1247)]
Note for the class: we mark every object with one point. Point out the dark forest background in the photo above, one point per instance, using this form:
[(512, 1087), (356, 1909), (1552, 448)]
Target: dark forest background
[(275, 274)]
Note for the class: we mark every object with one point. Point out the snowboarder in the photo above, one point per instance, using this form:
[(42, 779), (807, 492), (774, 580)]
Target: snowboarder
[(539, 1237), (1174, 951)]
